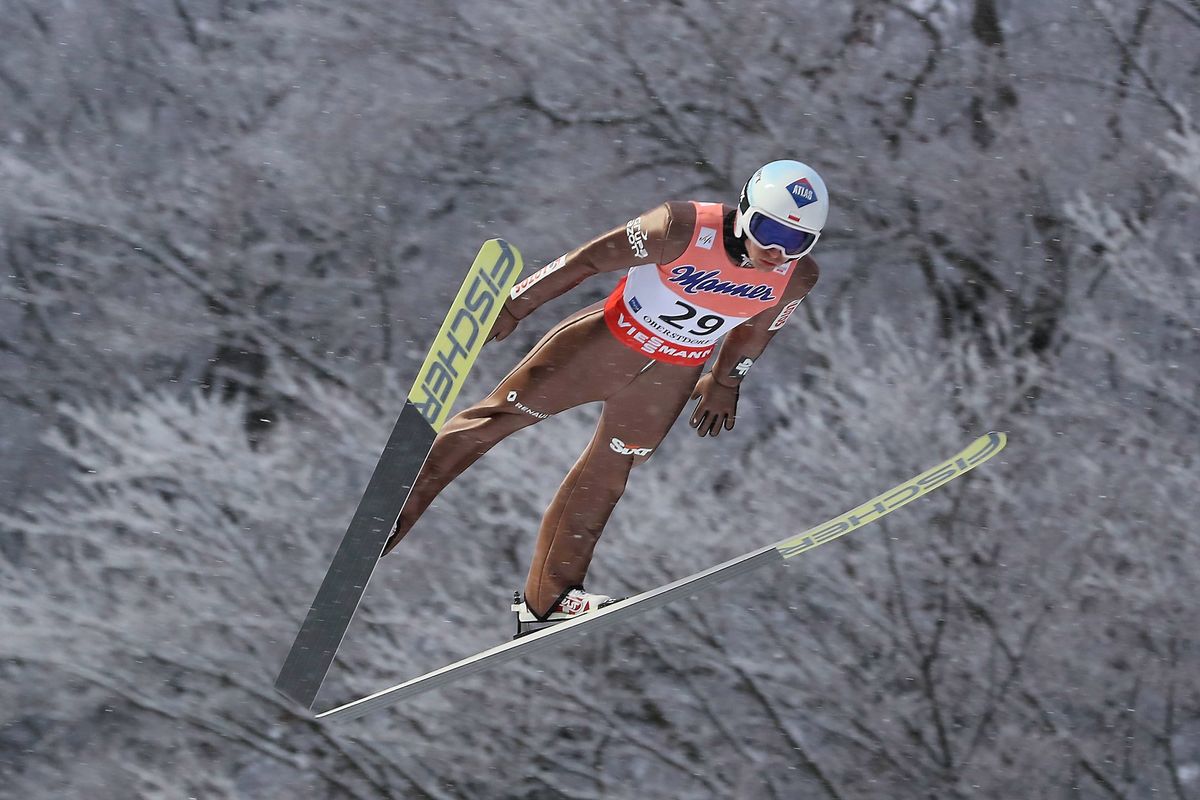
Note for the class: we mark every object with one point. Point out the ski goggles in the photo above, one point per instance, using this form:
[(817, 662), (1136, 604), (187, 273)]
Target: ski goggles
[(770, 232)]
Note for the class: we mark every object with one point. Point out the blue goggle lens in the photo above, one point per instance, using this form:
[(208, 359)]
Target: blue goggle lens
[(770, 233)]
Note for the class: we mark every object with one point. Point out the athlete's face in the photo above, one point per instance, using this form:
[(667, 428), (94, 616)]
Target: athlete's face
[(764, 259)]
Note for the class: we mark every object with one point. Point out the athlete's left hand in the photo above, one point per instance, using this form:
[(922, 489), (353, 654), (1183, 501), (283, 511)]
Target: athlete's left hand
[(505, 324), (717, 408)]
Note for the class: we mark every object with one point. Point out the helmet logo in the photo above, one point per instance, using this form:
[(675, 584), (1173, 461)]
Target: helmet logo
[(802, 192)]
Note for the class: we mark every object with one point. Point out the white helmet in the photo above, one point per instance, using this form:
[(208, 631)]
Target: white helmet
[(783, 205)]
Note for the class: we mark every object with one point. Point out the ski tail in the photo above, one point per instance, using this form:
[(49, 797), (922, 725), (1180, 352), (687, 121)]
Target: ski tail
[(972, 456), (454, 350)]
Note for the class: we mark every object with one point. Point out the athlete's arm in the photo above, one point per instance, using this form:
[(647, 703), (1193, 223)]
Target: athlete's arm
[(659, 236), (747, 341), (717, 391)]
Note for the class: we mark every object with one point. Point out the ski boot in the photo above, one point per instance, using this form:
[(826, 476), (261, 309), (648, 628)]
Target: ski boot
[(573, 604)]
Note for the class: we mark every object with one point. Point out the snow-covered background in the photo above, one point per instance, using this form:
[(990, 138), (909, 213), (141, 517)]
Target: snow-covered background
[(228, 231)]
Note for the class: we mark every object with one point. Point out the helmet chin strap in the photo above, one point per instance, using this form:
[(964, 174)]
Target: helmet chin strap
[(735, 245)]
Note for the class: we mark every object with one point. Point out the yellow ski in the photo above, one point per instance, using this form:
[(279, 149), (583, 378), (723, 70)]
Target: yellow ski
[(978, 452)]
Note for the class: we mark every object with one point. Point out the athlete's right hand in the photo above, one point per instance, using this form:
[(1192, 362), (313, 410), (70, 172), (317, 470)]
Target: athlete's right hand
[(506, 323)]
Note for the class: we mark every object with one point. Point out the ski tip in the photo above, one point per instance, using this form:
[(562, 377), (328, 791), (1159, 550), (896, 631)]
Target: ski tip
[(504, 245), (963, 462), (984, 448), (998, 438)]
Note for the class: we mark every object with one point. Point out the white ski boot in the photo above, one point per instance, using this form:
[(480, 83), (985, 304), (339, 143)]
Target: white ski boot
[(575, 603)]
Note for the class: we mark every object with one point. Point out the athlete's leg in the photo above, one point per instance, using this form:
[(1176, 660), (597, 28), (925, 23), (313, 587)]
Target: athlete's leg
[(576, 362), (632, 425)]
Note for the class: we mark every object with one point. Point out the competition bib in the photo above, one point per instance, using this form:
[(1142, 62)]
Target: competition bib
[(677, 312)]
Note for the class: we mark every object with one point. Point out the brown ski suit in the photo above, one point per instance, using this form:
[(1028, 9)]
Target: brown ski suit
[(582, 359)]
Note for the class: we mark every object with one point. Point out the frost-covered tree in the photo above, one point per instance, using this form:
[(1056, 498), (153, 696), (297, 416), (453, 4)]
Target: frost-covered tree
[(228, 229)]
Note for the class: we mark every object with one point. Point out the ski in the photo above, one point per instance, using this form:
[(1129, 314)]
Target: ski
[(972, 456), (426, 409)]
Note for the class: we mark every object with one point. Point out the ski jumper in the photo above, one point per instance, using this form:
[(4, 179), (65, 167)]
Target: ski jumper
[(640, 352)]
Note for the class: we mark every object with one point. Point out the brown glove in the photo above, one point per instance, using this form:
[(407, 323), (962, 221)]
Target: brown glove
[(717, 408), (506, 323)]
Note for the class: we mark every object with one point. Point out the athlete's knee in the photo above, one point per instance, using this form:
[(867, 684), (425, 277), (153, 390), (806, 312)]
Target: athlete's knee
[(468, 435), (488, 414)]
